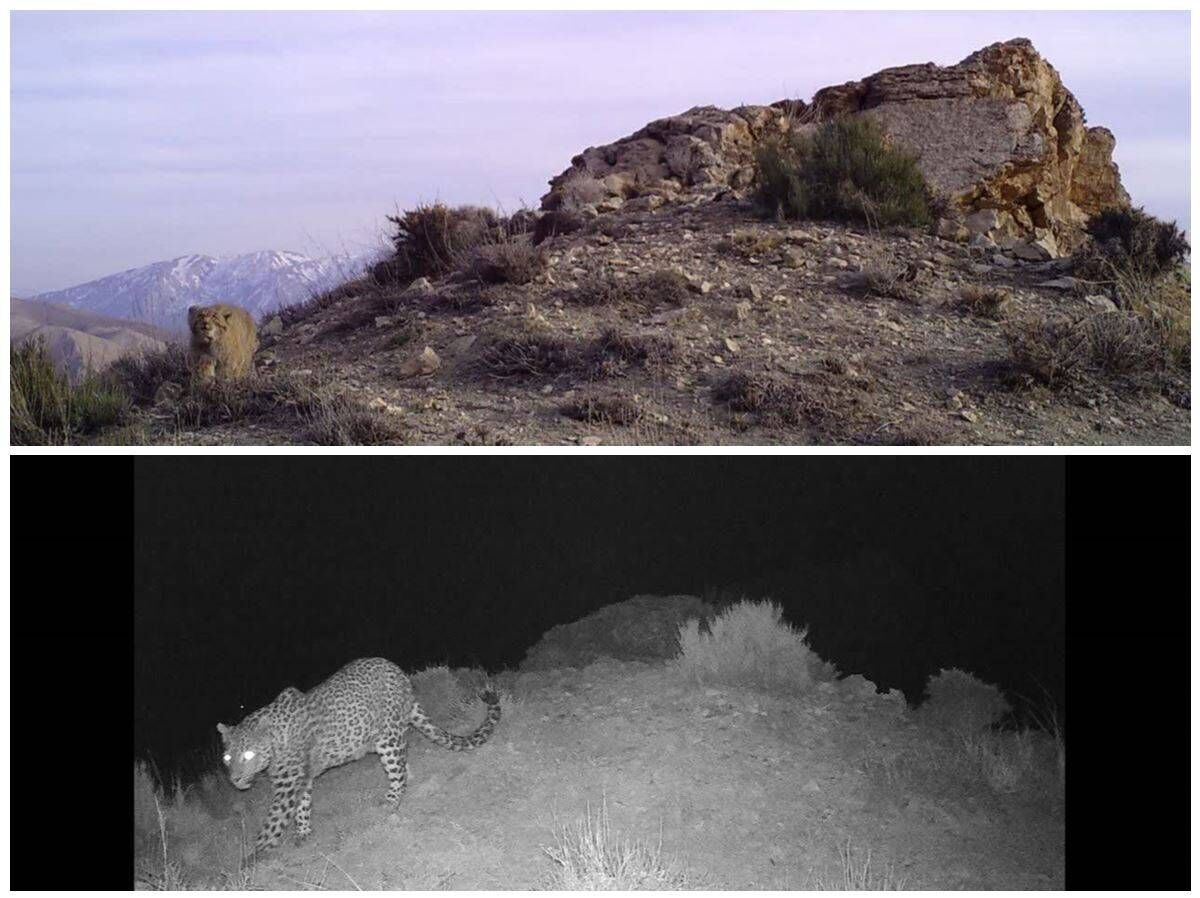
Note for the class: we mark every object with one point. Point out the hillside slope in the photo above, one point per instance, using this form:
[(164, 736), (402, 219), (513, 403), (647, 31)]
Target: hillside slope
[(78, 339), (780, 334), (743, 790)]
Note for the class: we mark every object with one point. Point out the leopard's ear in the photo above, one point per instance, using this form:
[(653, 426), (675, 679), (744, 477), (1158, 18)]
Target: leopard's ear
[(222, 729), (227, 314)]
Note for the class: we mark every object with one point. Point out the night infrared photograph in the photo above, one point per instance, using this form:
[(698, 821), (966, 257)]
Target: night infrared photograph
[(492, 673)]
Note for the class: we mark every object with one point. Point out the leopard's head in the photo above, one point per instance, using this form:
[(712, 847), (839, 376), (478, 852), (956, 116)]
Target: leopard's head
[(208, 324), (247, 751)]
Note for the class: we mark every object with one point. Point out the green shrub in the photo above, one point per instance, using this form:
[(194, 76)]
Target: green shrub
[(1134, 239), (845, 171), (959, 702), (48, 407), (748, 644)]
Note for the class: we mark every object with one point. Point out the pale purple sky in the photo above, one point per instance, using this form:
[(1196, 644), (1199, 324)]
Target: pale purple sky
[(141, 136)]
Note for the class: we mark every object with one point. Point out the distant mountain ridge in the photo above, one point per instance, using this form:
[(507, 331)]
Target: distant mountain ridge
[(260, 282), (78, 339)]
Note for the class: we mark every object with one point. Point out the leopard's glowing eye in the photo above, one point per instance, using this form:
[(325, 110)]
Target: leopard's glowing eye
[(227, 759), (248, 756)]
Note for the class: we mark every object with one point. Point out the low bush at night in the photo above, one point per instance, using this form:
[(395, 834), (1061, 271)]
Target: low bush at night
[(749, 644)]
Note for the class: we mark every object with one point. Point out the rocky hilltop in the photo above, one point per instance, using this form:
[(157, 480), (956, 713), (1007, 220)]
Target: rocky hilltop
[(998, 136), (654, 300)]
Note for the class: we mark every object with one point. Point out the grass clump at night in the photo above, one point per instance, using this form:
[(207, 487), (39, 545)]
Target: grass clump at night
[(749, 644), (47, 407), (590, 856), (844, 171)]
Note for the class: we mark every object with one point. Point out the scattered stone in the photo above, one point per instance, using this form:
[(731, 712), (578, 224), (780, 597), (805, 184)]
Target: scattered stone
[(1064, 283), (955, 231), (741, 310), (731, 344), (419, 288), (426, 362), (967, 415), (273, 327), (1100, 303), (384, 320), (167, 392)]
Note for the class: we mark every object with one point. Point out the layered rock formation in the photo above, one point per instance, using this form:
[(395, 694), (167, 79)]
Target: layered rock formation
[(998, 136)]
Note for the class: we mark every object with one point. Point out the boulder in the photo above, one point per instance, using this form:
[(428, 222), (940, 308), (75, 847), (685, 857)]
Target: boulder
[(997, 135)]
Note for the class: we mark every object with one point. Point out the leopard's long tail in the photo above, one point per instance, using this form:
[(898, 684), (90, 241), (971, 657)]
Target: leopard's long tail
[(435, 733)]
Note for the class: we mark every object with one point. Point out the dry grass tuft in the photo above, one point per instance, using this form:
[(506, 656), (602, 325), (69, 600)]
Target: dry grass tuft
[(616, 410), (748, 644), (985, 301), (591, 857), (771, 398), (1047, 349)]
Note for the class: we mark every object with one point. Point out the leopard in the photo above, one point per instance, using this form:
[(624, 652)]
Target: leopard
[(367, 706), (224, 340)]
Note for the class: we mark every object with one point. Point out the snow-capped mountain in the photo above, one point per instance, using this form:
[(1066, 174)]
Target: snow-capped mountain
[(161, 292)]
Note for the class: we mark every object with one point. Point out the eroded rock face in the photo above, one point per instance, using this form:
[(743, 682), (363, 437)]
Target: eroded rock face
[(998, 133)]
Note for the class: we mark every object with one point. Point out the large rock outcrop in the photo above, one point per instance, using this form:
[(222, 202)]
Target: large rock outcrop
[(997, 135)]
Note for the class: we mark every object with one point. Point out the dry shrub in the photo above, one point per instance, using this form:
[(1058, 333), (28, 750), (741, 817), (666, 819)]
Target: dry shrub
[(432, 239), (615, 351), (529, 355), (1123, 343), (985, 301), (1134, 240), (887, 277), (749, 644), (556, 222), (663, 287), (747, 242), (591, 857), (579, 189), (334, 419), (603, 410), (1047, 349), (303, 310), (771, 398), (959, 702), (511, 259)]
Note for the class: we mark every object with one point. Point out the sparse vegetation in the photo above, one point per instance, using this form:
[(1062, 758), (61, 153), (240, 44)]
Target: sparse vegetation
[(752, 242), (858, 875), (985, 300), (1134, 240), (49, 408), (334, 419), (959, 702), (534, 354), (749, 644), (845, 171), (508, 259), (617, 410), (663, 287), (432, 239), (771, 398), (1123, 342), (1047, 349), (884, 276), (590, 856)]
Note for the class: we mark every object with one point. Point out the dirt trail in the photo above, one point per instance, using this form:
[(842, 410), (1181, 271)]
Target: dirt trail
[(745, 790)]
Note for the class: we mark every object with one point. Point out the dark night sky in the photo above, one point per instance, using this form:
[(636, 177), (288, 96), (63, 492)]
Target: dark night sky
[(257, 573)]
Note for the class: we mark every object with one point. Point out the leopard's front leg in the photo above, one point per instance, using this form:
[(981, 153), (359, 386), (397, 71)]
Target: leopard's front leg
[(283, 804)]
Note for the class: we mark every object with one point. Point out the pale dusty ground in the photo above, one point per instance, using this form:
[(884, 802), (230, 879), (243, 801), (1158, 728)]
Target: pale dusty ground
[(745, 790)]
